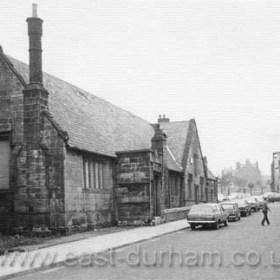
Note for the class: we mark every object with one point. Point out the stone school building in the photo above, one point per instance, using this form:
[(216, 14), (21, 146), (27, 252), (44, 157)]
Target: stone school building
[(66, 154)]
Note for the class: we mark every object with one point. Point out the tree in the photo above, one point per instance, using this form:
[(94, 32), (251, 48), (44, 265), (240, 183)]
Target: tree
[(240, 182), (251, 186), (226, 180)]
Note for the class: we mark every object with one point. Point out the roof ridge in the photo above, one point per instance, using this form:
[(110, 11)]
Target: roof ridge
[(178, 121)]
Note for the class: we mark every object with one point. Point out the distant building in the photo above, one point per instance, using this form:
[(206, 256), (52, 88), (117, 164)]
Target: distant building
[(246, 177), (275, 174)]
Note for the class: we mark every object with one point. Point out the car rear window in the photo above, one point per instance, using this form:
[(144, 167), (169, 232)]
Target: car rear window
[(227, 206), (197, 209)]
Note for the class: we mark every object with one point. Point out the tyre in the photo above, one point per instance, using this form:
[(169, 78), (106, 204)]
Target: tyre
[(226, 223), (217, 225), (193, 226)]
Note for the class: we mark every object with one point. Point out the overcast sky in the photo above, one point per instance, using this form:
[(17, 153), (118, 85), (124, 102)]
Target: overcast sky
[(215, 61)]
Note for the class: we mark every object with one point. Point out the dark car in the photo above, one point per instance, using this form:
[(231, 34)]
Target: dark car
[(233, 211), (244, 207), (207, 214), (275, 197)]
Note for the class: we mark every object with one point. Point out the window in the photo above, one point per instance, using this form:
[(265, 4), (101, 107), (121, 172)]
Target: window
[(100, 175), (4, 164), (174, 185), (195, 164), (201, 187), (190, 179), (93, 172), (177, 186)]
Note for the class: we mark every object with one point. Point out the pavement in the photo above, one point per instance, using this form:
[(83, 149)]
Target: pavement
[(15, 264)]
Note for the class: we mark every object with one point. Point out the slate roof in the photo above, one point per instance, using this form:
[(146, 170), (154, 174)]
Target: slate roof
[(92, 123), (177, 133), (98, 126), (172, 162), (210, 175)]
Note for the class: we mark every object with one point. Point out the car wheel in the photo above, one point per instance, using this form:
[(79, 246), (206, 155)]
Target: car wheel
[(192, 226), (217, 225), (226, 223), (239, 217)]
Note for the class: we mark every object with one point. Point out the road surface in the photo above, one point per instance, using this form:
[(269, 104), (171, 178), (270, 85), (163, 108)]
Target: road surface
[(243, 250)]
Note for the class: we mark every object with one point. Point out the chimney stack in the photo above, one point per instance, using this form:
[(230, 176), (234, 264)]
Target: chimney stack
[(163, 119), (35, 47)]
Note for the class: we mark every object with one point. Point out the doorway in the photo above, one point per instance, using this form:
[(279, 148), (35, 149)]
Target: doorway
[(157, 190)]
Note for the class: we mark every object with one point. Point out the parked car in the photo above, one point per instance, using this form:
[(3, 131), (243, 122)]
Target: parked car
[(222, 198), (253, 203), (273, 197), (207, 214), (244, 207), (232, 208), (260, 199)]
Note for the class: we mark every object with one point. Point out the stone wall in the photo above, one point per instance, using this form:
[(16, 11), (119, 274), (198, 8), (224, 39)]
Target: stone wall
[(175, 214), (11, 103), (11, 127), (194, 166), (53, 148), (36, 164), (175, 182), (87, 204), (133, 185)]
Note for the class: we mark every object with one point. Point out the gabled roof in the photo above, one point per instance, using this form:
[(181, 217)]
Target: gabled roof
[(97, 126), (210, 175), (177, 133), (92, 123), (172, 162)]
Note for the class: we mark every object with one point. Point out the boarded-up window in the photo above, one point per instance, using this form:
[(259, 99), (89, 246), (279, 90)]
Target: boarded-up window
[(4, 164)]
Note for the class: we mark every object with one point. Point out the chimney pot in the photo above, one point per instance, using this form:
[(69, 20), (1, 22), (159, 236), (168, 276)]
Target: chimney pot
[(163, 119), (34, 10), (35, 31)]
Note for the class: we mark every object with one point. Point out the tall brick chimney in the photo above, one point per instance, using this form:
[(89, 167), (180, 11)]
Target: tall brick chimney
[(35, 47), (35, 95)]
